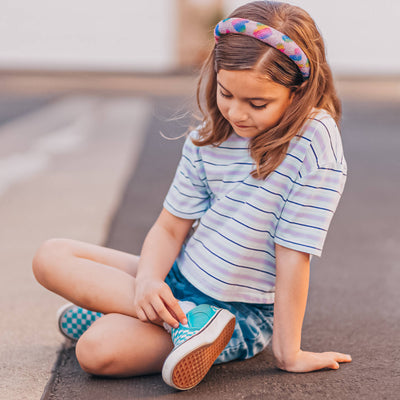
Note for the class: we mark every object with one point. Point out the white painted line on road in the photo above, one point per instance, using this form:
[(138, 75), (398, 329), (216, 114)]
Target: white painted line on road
[(21, 166), (67, 139), (20, 134)]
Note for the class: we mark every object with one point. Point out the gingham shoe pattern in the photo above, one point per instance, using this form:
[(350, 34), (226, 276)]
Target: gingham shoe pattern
[(196, 321), (74, 321)]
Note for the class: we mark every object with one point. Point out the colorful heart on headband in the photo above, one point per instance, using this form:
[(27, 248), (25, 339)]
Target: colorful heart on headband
[(296, 56), (240, 26), (262, 32), (286, 39)]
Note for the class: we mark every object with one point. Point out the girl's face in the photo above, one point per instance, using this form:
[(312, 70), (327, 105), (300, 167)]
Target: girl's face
[(249, 102)]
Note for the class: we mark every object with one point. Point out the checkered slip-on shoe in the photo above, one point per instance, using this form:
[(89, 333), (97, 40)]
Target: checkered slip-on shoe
[(197, 345), (73, 321)]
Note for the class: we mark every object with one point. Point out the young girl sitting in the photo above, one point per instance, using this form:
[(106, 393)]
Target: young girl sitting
[(225, 267)]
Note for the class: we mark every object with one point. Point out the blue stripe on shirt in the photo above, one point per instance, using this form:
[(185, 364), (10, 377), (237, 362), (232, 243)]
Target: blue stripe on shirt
[(251, 205), (308, 226), (184, 212), (189, 195), (241, 223), (330, 138)]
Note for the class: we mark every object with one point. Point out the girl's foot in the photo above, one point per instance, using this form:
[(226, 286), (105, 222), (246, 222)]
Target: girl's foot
[(197, 345), (73, 321)]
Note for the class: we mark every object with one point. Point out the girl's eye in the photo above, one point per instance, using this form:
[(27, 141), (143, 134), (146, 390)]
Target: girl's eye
[(224, 94), (258, 107)]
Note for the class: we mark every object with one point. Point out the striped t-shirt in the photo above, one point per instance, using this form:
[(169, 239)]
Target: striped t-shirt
[(231, 254)]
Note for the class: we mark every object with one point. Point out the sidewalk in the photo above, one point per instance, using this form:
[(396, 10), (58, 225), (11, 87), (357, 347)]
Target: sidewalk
[(61, 174)]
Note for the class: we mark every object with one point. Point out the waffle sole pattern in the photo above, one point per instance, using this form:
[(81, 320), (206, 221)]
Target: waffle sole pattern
[(190, 369)]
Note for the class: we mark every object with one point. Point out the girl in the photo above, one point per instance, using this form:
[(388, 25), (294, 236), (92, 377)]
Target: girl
[(251, 201)]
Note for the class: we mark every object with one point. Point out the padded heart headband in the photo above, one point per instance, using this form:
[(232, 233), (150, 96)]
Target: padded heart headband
[(267, 35)]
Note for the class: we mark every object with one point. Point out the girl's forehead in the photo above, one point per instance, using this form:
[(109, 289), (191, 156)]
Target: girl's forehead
[(249, 83)]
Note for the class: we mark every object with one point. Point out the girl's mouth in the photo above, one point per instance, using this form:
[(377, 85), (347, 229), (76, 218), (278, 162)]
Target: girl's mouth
[(242, 126)]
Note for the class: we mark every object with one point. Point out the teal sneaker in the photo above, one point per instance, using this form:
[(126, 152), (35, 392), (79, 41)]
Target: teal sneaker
[(197, 345), (73, 321)]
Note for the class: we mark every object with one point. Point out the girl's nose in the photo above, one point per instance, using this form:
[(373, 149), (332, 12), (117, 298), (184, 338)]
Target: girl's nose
[(237, 113)]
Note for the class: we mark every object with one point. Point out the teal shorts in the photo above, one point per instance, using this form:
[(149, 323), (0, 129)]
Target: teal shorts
[(253, 328)]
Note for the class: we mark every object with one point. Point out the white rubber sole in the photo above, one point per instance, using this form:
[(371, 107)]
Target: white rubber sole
[(188, 363)]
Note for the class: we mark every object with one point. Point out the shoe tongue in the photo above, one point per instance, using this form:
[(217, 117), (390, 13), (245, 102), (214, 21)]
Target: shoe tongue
[(198, 319)]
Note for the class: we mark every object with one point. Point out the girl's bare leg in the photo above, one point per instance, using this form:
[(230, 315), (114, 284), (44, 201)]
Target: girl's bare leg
[(102, 279), (118, 345), (93, 277)]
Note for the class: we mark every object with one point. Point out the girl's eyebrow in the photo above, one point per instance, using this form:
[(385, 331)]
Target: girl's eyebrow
[(249, 98)]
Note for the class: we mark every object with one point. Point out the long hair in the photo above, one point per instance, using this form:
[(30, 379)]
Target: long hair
[(238, 52)]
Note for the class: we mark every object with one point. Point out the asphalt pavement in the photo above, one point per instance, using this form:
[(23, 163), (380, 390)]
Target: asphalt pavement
[(353, 303), (108, 189)]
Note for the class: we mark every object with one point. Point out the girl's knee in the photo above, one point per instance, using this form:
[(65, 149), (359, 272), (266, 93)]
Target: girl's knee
[(93, 354), (45, 258)]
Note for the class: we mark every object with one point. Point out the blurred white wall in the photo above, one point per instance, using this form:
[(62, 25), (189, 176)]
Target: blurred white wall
[(361, 36), (136, 35), (87, 34)]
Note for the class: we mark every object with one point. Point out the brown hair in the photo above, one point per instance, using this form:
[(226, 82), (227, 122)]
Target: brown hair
[(239, 52)]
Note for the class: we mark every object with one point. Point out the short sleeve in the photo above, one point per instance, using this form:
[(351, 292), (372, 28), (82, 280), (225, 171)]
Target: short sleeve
[(188, 196), (308, 211), (315, 193)]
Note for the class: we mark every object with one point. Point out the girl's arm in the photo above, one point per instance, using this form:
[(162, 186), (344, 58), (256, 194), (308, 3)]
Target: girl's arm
[(292, 279), (154, 300)]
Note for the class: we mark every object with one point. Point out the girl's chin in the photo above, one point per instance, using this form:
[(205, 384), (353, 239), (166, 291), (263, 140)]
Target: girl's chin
[(245, 132)]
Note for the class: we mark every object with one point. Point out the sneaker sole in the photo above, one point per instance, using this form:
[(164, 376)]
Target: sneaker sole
[(189, 363), (60, 313)]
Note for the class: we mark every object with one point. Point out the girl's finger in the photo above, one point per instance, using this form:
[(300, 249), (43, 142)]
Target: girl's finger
[(343, 357), (174, 307), (335, 365), (141, 315), (150, 313), (326, 360), (333, 359), (163, 313)]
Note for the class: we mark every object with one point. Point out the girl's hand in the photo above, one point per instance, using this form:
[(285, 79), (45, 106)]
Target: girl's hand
[(154, 302), (306, 361)]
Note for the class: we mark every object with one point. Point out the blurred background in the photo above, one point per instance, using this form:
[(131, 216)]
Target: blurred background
[(50, 47), (84, 84), (171, 35)]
